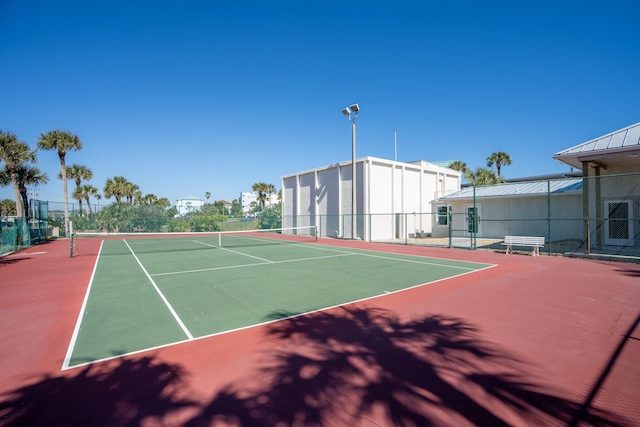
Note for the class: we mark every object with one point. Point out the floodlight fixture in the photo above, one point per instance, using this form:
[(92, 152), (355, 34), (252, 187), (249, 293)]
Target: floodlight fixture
[(353, 108)]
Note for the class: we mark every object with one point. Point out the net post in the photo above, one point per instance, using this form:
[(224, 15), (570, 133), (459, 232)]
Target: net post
[(70, 239)]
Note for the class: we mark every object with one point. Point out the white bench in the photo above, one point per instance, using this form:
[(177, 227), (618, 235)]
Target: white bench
[(535, 242)]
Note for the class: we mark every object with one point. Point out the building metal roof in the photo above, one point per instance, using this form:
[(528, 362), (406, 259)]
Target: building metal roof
[(621, 143), (529, 188)]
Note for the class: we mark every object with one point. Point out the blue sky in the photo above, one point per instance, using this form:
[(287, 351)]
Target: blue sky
[(185, 97)]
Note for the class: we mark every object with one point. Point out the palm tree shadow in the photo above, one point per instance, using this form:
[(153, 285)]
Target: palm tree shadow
[(341, 366), (122, 393)]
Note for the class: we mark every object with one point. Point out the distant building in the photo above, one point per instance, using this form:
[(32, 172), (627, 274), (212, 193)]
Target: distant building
[(247, 198), (227, 206), (187, 205)]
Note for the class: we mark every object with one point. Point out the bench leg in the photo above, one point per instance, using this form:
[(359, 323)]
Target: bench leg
[(536, 252), (509, 250)]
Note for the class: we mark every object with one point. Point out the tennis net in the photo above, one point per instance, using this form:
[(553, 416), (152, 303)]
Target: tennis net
[(185, 241)]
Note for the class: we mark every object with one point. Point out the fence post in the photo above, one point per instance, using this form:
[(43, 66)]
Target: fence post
[(450, 213), (476, 222), (549, 215)]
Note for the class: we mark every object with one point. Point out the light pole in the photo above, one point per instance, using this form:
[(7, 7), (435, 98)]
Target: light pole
[(351, 113)]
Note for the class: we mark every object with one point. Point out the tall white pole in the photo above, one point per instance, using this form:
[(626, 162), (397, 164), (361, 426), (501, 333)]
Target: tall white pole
[(395, 146), (353, 179)]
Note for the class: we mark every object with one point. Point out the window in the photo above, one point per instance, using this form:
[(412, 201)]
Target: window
[(443, 215)]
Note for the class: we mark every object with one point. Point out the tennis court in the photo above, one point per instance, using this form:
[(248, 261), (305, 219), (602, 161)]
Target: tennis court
[(150, 291), (500, 340)]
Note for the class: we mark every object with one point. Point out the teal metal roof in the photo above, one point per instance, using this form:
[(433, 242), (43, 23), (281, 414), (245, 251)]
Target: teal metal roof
[(529, 188)]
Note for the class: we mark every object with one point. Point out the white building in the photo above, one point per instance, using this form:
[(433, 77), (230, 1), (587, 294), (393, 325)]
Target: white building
[(247, 198), (599, 207), (188, 205), (391, 197)]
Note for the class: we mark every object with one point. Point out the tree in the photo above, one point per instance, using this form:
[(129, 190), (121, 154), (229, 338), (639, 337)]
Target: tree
[(147, 199), (163, 201), (261, 188), (500, 158), (83, 192), (271, 217), (207, 195), (15, 153), (115, 187), (130, 191), (7, 207), (264, 192), (459, 166), (271, 189), (29, 175), (62, 141), (482, 176), (236, 208), (78, 173)]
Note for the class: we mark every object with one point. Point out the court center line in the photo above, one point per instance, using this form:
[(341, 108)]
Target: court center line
[(164, 299), (319, 310), (235, 252), (250, 265)]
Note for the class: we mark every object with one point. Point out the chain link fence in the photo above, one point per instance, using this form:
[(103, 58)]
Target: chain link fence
[(19, 232), (598, 215), (594, 215)]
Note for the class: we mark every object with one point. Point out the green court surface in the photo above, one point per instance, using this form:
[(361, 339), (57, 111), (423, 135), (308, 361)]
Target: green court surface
[(151, 293)]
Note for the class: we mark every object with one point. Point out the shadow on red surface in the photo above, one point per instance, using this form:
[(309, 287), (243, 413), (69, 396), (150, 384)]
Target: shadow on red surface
[(334, 367)]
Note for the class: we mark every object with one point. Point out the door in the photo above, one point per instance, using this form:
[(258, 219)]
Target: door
[(473, 219), (618, 224)]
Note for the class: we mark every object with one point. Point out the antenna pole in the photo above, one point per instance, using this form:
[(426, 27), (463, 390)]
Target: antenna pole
[(395, 146)]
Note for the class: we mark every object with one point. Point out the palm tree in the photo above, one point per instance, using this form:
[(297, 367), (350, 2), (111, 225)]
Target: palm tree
[(15, 153), (271, 189), (131, 190), (163, 201), (260, 188), (78, 173), (500, 159), (207, 195), (115, 187), (29, 175), (482, 176), (62, 141), (147, 199), (5, 179), (459, 165), (83, 192)]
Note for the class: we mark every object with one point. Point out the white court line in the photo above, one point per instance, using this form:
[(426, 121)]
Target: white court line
[(235, 252), (251, 265), (164, 299), (76, 330), (255, 325), (325, 248), (415, 261)]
